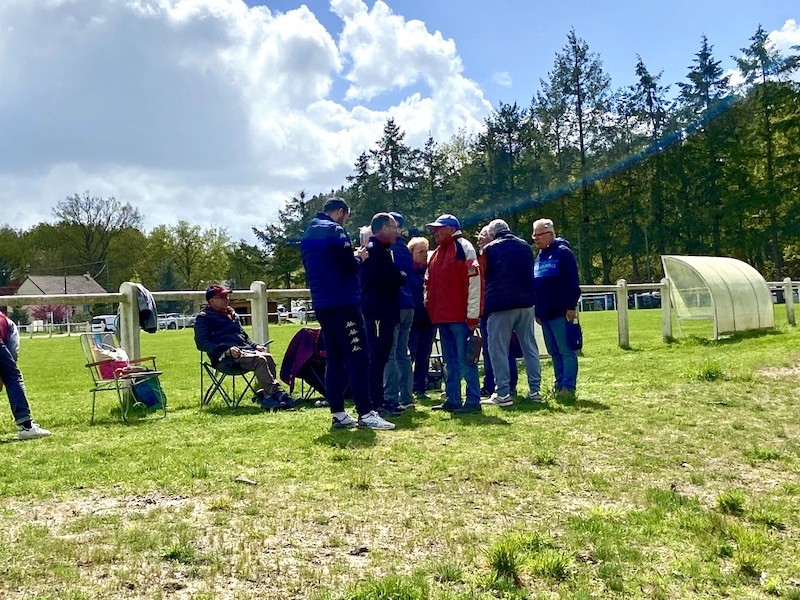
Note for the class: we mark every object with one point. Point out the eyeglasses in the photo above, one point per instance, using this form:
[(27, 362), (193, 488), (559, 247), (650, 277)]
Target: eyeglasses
[(538, 235)]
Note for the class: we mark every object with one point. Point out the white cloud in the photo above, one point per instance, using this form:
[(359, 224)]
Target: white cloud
[(208, 110), (502, 78)]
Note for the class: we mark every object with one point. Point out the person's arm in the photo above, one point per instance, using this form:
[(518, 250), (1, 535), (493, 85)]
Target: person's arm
[(572, 286), (13, 339), (473, 277), (203, 339), (342, 252)]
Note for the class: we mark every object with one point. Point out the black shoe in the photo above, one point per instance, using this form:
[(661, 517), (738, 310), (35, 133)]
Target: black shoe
[(422, 396), (485, 393), (468, 409), (272, 402), (446, 407), (286, 400), (389, 411)]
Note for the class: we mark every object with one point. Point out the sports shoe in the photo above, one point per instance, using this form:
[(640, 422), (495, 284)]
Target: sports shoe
[(374, 421), (565, 394), (535, 398), (321, 403), (468, 409), (485, 393), (286, 399), (33, 432), (346, 422), (496, 400), (389, 411), (445, 406)]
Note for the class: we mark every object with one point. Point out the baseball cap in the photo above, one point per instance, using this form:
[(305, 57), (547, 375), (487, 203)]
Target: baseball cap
[(399, 218), (445, 221), (213, 291)]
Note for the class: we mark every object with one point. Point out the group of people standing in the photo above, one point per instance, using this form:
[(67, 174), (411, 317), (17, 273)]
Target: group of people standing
[(380, 304)]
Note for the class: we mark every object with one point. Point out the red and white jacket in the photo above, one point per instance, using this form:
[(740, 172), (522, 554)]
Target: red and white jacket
[(453, 283)]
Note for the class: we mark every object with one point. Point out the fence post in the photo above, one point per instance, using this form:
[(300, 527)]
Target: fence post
[(788, 295), (259, 310), (622, 314), (129, 320), (666, 310)]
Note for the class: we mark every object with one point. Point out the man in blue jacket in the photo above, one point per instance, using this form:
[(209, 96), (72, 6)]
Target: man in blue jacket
[(557, 293), (508, 303), (381, 281), (332, 273), (218, 332), (397, 390)]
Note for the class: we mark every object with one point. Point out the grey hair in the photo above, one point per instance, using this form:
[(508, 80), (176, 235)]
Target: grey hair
[(545, 224), (496, 226), (364, 234)]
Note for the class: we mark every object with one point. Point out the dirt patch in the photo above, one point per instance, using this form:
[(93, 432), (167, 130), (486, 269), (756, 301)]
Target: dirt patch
[(791, 373)]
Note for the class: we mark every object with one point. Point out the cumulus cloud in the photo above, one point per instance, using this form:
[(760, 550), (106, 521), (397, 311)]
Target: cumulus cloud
[(208, 110)]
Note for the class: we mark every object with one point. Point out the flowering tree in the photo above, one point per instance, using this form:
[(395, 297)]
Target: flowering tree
[(43, 312)]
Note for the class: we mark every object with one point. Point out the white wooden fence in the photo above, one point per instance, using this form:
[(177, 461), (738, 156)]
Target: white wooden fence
[(259, 296)]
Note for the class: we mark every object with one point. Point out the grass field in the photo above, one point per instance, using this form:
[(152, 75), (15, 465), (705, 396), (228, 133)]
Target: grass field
[(674, 475)]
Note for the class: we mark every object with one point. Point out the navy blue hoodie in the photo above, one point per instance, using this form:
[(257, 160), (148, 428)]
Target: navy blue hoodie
[(556, 280)]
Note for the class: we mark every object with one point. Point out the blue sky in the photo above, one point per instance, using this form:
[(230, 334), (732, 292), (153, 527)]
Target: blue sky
[(219, 111), (521, 37)]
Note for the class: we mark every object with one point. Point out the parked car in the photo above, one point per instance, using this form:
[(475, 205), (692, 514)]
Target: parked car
[(190, 319), (171, 321), (103, 323)]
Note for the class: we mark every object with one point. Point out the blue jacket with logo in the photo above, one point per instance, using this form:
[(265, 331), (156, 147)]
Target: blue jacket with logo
[(404, 261), (509, 274), (556, 280), (331, 268)]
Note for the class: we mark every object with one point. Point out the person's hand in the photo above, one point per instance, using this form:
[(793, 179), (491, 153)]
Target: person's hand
[(538, 320), (571, 314), (472, 324), (362, 254), (235, 352), (260, 348)]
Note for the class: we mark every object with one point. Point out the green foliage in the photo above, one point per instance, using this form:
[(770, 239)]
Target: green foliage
[(731, 502)]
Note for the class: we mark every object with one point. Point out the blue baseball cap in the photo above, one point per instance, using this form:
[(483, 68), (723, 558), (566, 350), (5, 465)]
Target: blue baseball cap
[(445, 220), (398, 218)]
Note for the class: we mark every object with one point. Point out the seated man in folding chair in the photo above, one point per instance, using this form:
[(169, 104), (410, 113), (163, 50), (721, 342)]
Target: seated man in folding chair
[(219, 333)]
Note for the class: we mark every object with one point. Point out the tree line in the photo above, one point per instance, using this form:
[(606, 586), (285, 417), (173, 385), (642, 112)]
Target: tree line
[(628, 174)]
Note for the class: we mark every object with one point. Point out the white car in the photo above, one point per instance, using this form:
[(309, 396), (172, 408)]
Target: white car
[(171, 321), (103, 323)]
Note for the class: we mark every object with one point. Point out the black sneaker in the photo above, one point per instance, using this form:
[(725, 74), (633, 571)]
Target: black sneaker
[(445, 406), (485, 393), (389, 411), (468, 409)]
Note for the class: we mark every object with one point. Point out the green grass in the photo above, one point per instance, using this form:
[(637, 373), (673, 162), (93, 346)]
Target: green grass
[(674, 474)]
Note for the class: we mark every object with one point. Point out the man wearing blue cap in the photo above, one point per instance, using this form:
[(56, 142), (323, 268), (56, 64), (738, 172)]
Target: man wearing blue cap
[(453, 297)]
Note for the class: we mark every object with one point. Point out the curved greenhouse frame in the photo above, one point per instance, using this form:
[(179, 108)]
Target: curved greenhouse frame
[(727, 291)]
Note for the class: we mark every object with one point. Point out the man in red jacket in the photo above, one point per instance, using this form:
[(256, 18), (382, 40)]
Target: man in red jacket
[(452, 297)]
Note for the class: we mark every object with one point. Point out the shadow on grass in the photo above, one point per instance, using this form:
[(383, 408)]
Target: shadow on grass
[(348, 438), (582, 403)]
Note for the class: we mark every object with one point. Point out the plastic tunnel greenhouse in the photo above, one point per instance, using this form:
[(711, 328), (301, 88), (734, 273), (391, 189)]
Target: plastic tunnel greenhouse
[(724, 290)]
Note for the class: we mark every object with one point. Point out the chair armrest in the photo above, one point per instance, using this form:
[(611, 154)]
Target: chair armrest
[(100, 362), (135, 361)]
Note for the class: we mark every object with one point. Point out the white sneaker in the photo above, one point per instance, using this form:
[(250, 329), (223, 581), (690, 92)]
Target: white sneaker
[(346, 422), (374, 421), (535, 398), (34, 432), (496, 400)]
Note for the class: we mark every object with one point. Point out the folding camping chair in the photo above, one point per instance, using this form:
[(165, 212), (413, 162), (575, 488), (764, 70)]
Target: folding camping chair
[(305, 360), (112, 371), (222, 383)]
